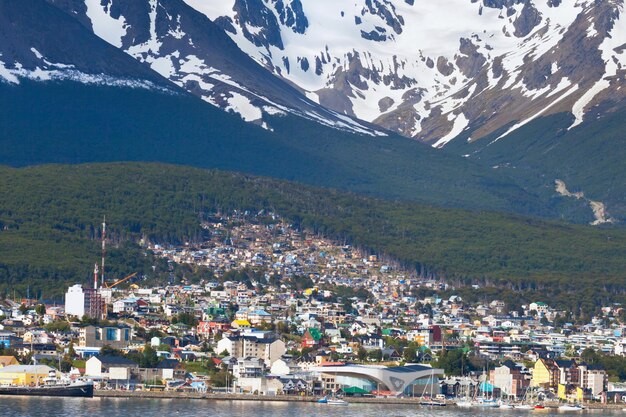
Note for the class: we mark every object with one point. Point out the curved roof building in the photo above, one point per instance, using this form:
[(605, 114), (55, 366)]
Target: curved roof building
[(396, 379)]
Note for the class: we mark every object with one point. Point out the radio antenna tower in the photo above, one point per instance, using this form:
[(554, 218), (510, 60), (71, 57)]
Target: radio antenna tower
[(104, 249), (95, 276)]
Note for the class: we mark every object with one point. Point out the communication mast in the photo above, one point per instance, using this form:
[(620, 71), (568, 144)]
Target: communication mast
[(95, 276), (104, 233)]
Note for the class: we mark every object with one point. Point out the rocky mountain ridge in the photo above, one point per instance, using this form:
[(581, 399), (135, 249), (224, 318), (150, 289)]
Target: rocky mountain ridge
[(434, 70), (191, 51)]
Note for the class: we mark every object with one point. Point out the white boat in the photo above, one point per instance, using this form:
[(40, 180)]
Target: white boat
[(478, 402), (505, 406), (432, 403), (571, 407), (336, 401), (485, 402), (524, 407)]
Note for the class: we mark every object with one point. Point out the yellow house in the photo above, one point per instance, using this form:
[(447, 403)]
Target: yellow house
[(241, 324), (27, 375), (545, 374), (7, 360), (580, 394), (576, 395)]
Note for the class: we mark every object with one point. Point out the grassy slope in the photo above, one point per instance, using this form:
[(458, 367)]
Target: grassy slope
[(50, 215)]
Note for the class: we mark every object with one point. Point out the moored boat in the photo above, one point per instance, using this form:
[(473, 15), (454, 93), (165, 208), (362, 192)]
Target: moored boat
[(336, 401), (571, 407), (432, 403), (73, 389)]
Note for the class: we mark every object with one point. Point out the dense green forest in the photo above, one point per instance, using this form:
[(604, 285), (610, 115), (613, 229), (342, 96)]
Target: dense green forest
[(50, 216), (76, 123)]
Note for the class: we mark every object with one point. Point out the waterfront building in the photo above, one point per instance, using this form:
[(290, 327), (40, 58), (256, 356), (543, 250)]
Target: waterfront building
[(410, 380), (509, 379), (111, 368), (545, 374), (593, 378), (24, 374), (262, 345)]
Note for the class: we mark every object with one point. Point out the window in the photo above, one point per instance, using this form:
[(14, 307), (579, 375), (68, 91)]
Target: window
[(111, 333)]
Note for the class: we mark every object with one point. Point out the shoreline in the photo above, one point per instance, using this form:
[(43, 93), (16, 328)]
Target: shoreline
[(295, 398)]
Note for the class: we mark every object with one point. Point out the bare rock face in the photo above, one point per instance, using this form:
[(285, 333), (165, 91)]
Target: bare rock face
[(444, 67), (385, 103), (528, 20), (471, 61)]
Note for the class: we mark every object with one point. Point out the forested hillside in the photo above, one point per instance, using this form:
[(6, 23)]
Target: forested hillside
[(49, 219)]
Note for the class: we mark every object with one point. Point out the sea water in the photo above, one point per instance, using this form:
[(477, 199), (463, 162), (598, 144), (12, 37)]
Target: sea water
[(114, 407)]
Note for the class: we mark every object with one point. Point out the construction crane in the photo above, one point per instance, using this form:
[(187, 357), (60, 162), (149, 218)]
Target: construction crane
[(120, 281)]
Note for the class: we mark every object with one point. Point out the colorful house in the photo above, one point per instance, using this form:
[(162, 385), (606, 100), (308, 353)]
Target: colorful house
[(240, 324), (311, 338), (545, 374), (570, 393)]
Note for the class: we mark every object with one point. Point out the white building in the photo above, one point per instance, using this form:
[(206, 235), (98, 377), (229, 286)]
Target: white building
[(620, 347), (248, 368), (110, 367), (81, 301), (285, 367), (127, 305), (75, 301), (255, 345)]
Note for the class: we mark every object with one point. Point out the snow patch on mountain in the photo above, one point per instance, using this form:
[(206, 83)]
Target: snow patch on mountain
[(104, 25), (241, 104), (579, 107), (13, 76), (6, 75), (460, 123)]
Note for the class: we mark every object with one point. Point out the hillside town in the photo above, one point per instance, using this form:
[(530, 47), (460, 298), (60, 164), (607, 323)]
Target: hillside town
[(287, 312)]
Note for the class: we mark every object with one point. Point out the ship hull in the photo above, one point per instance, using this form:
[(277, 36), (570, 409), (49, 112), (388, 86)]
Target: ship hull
[(75, 390)]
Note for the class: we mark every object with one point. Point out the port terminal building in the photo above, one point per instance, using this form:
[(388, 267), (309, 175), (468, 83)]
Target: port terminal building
[(407, 380)]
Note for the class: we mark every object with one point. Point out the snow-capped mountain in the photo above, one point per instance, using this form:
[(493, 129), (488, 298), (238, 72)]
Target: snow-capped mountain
[(436, 69), (187, 48)]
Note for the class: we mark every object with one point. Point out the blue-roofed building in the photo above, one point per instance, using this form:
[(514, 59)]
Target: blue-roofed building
[(7, 339)]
